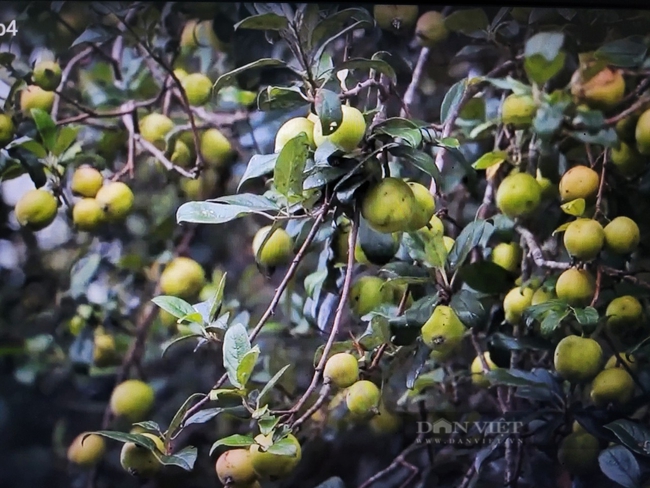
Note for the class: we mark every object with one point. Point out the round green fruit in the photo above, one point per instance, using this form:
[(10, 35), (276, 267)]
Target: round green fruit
[(578, 453), (576, 287), (47, 75), (198, 88), (542, 295), (342, 370), (367, 293), (291, 128), (86, 450), (389, 205), (518, 195), (182, 155), (515, 302), (277, 249), (215, 147), (518, 110), (36, 209), (603, 91), (86, 181), (627, 160), (116, 198), (35, 97), (235, 468), (7, 129), (444, 331), (270, 465), (182, 277), (430, 29), (104, 351), (385, 422), (396, 18), (425, 206), (348, 135), (613, 385), (140, 461), (624, 315), (507, 255), (584, 239), (154, 128), (642, 133), (362, 399), (478, 375), (87, 214), (132, 399), (622, 235), (579, 182), (578, 359)]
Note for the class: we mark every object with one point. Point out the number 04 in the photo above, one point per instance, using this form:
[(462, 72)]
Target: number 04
[(11, 28)]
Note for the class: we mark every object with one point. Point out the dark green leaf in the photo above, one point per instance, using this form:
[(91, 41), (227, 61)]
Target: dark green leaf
[(259, 165), (250, 200), (203, 416), (138, 439), (230, 77), (452, 99), (510, 343), (540, 70), (467, 21), (469, 309), (333, 25), (620, 466), (605, 137), (475, 234), (626, 53), (269, 21), (367, 64), (490, 159), (378, 247), (235, 346), (288, 175), (586, 316), (514, 377), (34, 147), (66, 137), (552, 321), (235, 440), (357, 25), (271, 383), (486, 277), (178, 307), (180, 414), (328, 109), (280, 98), (167, 345), (97, 34), (46, 127), (419, 159), (184, 459), (420, 311), (632, 435), (420, 359)]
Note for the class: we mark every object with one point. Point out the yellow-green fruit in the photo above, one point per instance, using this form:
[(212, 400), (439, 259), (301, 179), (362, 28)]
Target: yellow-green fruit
[(518, 195), (348, 135), (549, 189), (367, 293), (104, 350), (430, 29), (542, 295), (198, 88), (584, 239), (215, 147), (622, 235), (516, 301), (277, 249), (35, 97), (116, 198), (235, 468), (87, 214), (180, 73), (579, 182), (507, 255), (362, 399), (624, 314), (291, 128), (269, 465), (47, 75), (425, 206), (435, 226), (140, 461), (7, 129), (630, 361), (86, 181), (86, 452), (576, 427), (395, 18), (578, 359), (576, 287), (36, 209), (342, 370), (200, 34), (182, 156), (642, 133), (389, 205), (518, 110), (478, 375), (182, 277), (166, 319), (132, 399), (154, 127), (444, 331), (627, 160), (613, 385), (578, 453), (385, 422), (603, 91)]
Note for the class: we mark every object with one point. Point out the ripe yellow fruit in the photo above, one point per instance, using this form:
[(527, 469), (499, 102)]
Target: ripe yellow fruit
[(435, 226), (389, 205), (395, 18), (200, 34), (215, 147), (367, 293), (268, 465), (35, 97), (198, 88), (385, 422), (132, 399), (603, 91), (182, 277), (86, 181), (348, 135), (36, 209), (362, 399), (104, 352), (622, 235), (342, 370), (518, 195), (7, 129), (182, 156), (579, 182), (276, 251), (235, 468), (424, 208), (576, 287), (507, 255), (584, 239), (180, 73), (518, 110), (116, 198), (86, 452), (627, 160), (630, 361), (430, 29), (624, 314), (87, 214), (515, 302), (642, 133), (291, 128), (478, 376), (140, 461), (613, 385), (444, 331), (578, 453), (154, 128), (578, 359), (47, 75), (542, 295)]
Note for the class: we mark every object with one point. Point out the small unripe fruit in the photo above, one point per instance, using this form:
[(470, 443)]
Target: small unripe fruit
[(430, 29), (624, 314), (389, 206), (507, 255), (116, 198), (444, 331), (630, 361), (132, 399), (385, 422), (342, 370), (86, 452), (613, 385), (367, 293), (425, 206), (348, 135), (627, 160), (140, 461), (622, 235), (576, 287), (518, 195), (516, 301), (395, 18), (35, 97), (542, 295), (603, 91), (182, 277), (277, 249), (478, 375), (182, 155), (47, 75), (584, 239), (36, 209), (7, 129), (579, 182), (291, 128), (154, 128), (86, 181), (215, 147), (269, 465), (235, 467), (642, 133), (578, 359), (180, 73), (578, 453), (518, 110), (104, 353), (198, 88), (87, 214), (362, 398)]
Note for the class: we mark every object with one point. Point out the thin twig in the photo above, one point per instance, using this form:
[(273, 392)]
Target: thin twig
[(409, 95), (536, 251), (317, 404), (160, 156), (65, 74), (398, 461)]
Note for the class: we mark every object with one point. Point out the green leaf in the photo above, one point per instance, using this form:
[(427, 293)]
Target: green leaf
[(178, 417), (272, 382), (184, 459), (66, 137), (235, 440), (328, 109), (284, 447), (46, 127), (548, 44), (288, 175), (332, 27), (82, 273), (247, 365), (620, 466), (178, 307), (367, 64), (467, 21), (475, 234), (217, 299), (434, 248), (235, 346), (586, 316), (503, 341), (212, 213), (548, 119), (485, 277), (259, 165), (540, 70), (469, 309), (605, 137), (509, 83), (203, 416), (552, 321), (421, 311), (230, 77), (574, 207), (34, 147), (96, 34), (280, 98), (419, 159), (514, 377), (490, 159), (148, 425), (452, 99), (378, 247), (626, 53), (633, 435), (138, 439), (167, 345), (269, 21)]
